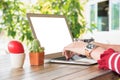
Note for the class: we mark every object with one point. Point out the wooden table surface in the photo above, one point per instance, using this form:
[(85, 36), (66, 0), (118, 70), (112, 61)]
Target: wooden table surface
[(50, 71)]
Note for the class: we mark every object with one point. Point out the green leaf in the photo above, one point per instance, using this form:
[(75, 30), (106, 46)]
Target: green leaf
[(0, 30)]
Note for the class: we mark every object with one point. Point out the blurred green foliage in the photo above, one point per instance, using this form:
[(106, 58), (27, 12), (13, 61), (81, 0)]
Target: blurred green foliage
[(15, 22), (71, 9)]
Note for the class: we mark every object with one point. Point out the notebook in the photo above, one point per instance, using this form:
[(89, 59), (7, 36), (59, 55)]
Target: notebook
[(54, 34)]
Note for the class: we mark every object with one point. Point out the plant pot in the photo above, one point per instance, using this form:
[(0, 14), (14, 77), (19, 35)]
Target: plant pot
[(17, 60), (36, 58)]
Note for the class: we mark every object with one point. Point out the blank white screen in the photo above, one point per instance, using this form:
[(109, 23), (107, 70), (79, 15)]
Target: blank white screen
[(52, 32)]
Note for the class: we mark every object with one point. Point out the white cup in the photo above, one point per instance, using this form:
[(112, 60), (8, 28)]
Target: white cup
[(17, 60)]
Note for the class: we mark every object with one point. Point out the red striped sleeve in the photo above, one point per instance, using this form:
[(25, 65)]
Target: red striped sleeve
[(110, 60), (118, 64)]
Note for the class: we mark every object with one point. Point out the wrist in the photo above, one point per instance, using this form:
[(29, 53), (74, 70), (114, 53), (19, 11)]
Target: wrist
[(95, 54), (89, 48)]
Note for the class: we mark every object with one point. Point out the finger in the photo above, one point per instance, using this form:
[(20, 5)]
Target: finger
[(67, 55), (71, 54)]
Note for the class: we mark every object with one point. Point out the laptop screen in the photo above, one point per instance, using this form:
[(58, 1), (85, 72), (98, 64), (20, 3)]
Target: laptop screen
[(52, 31)]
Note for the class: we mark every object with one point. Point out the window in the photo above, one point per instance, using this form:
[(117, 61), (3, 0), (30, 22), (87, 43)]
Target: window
[(92, 14), (102, 16), (105, 14), (115, 15)]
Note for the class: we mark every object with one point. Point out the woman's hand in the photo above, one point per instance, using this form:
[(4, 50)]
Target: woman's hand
[(74, 48)]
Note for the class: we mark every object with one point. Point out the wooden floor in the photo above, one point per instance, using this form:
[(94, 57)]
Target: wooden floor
[(52, 72)]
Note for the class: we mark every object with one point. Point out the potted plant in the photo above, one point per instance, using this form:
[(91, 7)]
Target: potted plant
[(36, 54)]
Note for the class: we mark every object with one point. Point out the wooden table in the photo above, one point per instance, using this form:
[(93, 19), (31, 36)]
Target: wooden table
[(50, 71)]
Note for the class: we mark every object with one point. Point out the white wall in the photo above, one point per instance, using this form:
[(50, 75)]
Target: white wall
[(112, 37)]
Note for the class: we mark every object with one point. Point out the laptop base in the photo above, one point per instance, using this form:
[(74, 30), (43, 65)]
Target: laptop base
[(78, 60)]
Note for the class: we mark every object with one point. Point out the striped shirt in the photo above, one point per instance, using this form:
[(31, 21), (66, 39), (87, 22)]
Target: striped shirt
[(110, 60)]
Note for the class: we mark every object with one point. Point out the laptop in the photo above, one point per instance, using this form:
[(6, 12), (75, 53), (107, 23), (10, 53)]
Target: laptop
[(53, 33)]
